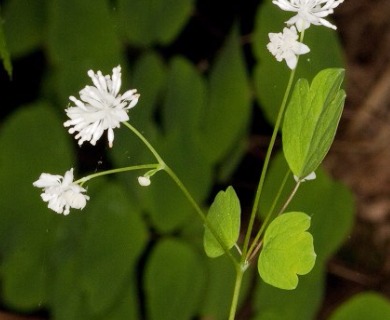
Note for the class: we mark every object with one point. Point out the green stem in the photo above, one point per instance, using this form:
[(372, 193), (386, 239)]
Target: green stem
[(255, 244), (181, 186), (266, 163), (267, 159), (107, 172), (236, 293), (146, 142), (290, 197), (200, 213)]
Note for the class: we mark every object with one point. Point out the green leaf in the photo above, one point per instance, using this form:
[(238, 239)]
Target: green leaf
[(228, 110), (25, 25), (114, 238), (4, 53), (219, 287), (224, 218), (363, 306), (149, 78), (185, 98), (167, 206), (32, 141), (311, 121), (332, 214), (174, 281), (288, 250), (153, 21), (299, 304), (75, 48)]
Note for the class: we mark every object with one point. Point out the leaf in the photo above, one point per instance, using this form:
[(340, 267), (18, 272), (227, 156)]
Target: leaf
[(167, 206), (4, 53), (75, 48), (174, 281), (25, 25), (185, 98), (363, 306), (299, 304), (114, 238), (224, 218), (219, 287), (32, 141), (228, 109), (149, 78), (332, 214), (153, 21), (288, 250), (311, 121)]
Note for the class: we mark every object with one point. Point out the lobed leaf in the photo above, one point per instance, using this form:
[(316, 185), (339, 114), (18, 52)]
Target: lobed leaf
[(287, 251)]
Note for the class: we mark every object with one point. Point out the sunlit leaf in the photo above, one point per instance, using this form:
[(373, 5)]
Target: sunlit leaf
[(332, 213), (287, 251), (224, 218), (311, 121)]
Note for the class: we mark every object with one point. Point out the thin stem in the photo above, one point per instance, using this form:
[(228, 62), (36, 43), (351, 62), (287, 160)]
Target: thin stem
[(146, 142), (236, 293), (266, 163), (255, 245), (200, 213), (181, 186), (268, 157), (290, 197), (107, 172)]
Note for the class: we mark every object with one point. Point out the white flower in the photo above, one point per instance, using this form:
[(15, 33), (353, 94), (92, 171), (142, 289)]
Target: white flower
[(101, 107), (286, 46), (61, 193), (309, 12), (144, 181)]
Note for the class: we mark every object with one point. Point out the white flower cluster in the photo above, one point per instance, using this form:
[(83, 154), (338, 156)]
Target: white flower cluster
[(100, 108), (286, 46)]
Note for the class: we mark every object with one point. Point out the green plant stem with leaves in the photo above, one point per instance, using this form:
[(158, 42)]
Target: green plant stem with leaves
[(245, 252), (175, 178)]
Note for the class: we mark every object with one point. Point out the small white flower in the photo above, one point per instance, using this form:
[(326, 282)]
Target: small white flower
[(61, 193), (310, 176), (144, 181), (286, 46), (101, 107), (309, 12)]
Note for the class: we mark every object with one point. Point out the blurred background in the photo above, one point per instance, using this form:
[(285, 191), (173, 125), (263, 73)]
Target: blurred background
[(209, 94)]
